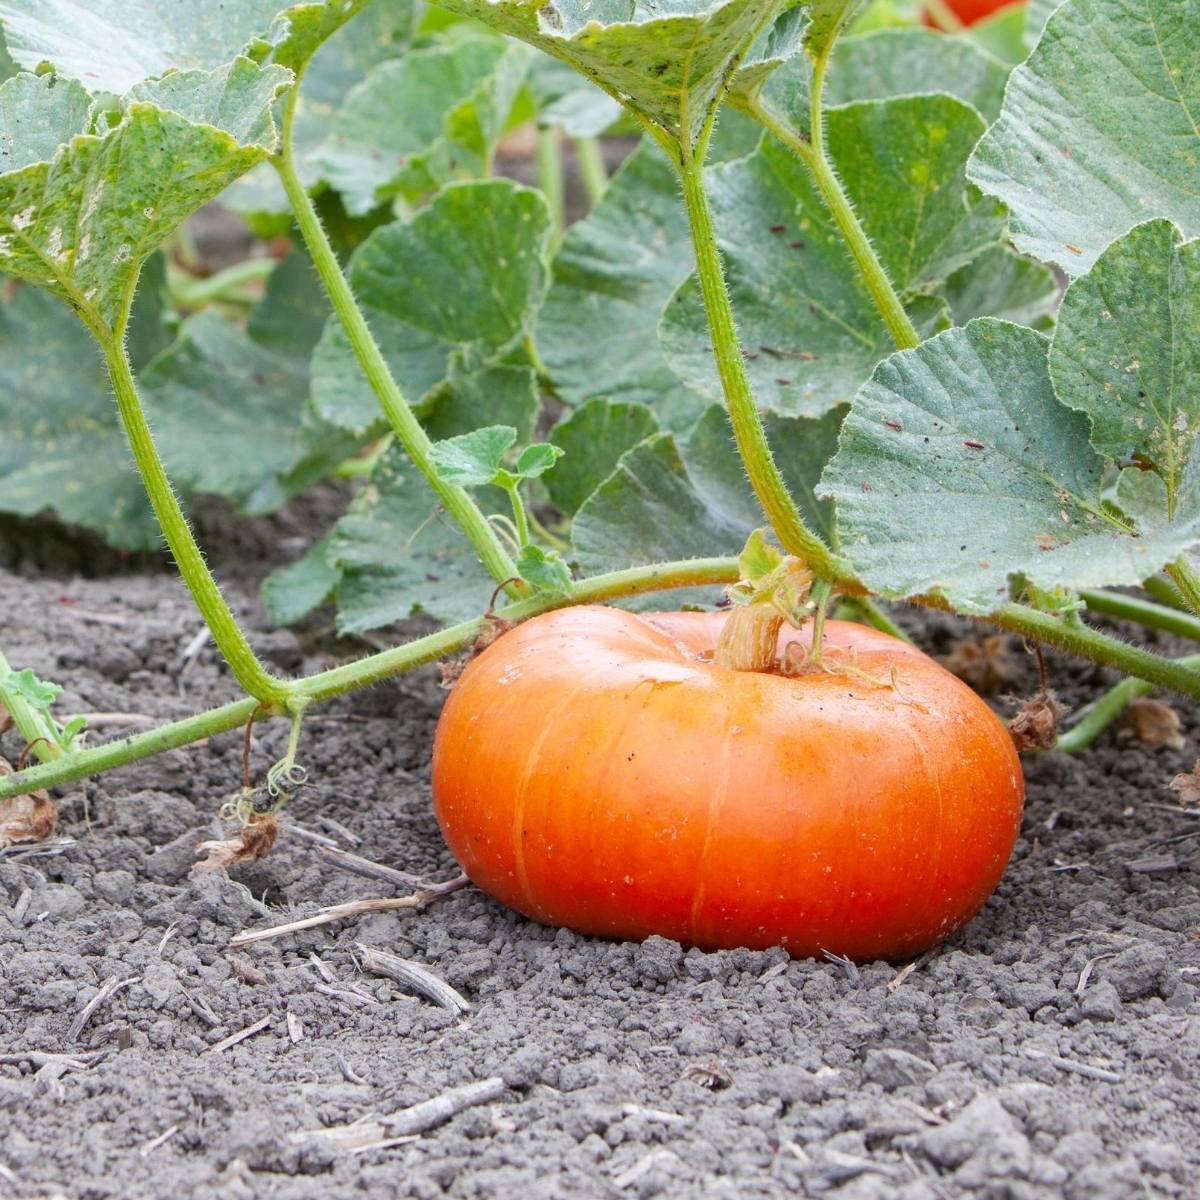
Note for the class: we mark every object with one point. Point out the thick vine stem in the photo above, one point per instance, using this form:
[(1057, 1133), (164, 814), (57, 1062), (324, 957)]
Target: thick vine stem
[(1133, 608), (226, 632), (592, 170), (373, 669), (550, 175), (814, 156), (795, 537), (456, 500)]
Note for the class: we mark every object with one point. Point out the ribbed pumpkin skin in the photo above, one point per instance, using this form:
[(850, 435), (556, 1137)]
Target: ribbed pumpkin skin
[(588, 771)]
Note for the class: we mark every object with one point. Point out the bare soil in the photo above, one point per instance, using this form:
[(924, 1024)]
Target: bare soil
[(1049, 1049)]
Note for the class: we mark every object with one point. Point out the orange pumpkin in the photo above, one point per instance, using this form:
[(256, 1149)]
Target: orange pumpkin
[(592, 769), (970, 11)]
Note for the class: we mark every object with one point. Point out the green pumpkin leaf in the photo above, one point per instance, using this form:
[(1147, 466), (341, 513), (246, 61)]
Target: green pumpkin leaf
[(308, 583), (450, 291), (959, 471), (112, 44), (545, 570), (780, 44), (63, 448), (810, 331), (455, 99), (1127, 353), (382, 30), (612, 277), (593, 438), (667, 65), (670, 498), (29, 687), (534, 461), (1002, 284), (1100, 129), (473, 459), (566, 99), (905, 62), (80, 219)]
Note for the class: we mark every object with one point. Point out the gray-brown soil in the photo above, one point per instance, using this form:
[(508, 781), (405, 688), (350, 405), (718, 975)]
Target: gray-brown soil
[(1050, 1049)]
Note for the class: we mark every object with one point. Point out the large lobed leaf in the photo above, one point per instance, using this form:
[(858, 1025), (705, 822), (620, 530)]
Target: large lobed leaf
[(667, 61), (83, 200), (613, 274), (1100, 129), (809, 328), (447, 293), (420, 120)]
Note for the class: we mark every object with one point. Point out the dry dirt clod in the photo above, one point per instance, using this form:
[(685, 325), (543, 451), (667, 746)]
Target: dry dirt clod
[(28, 818), (1035, 726), (984, 664), (253, 841), (1154, 723)]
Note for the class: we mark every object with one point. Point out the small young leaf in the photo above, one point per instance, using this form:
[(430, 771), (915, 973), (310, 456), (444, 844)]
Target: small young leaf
[(958, 470), (473, 459), (1099, 130), (544, 569), (758, 558), (607, 283), (537, 459), (29, 687), (449, 292), (593, 438)]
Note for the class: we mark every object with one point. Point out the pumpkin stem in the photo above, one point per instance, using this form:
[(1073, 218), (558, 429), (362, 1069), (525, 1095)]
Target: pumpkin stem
[(774, 589), (749, 638)]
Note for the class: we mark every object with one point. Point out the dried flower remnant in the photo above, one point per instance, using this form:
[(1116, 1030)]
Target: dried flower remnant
[(984, 664), (253, 841), (1154, 723), (27, 818), (1187, 786), (1035, 726)]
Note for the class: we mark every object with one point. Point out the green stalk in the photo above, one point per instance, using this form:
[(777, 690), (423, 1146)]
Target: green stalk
[(814, 156), (187, 291), (592, 170), (1164, 591), (748, 430), (1098, 716), (1153, 616), (1078, 639), (456, 500), (869, 613), (1187, 581), (79, 764), (550, 175), (226, 632), (31, 724)]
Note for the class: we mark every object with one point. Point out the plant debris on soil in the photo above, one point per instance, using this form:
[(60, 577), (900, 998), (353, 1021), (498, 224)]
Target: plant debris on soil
[(1048, 1049)]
